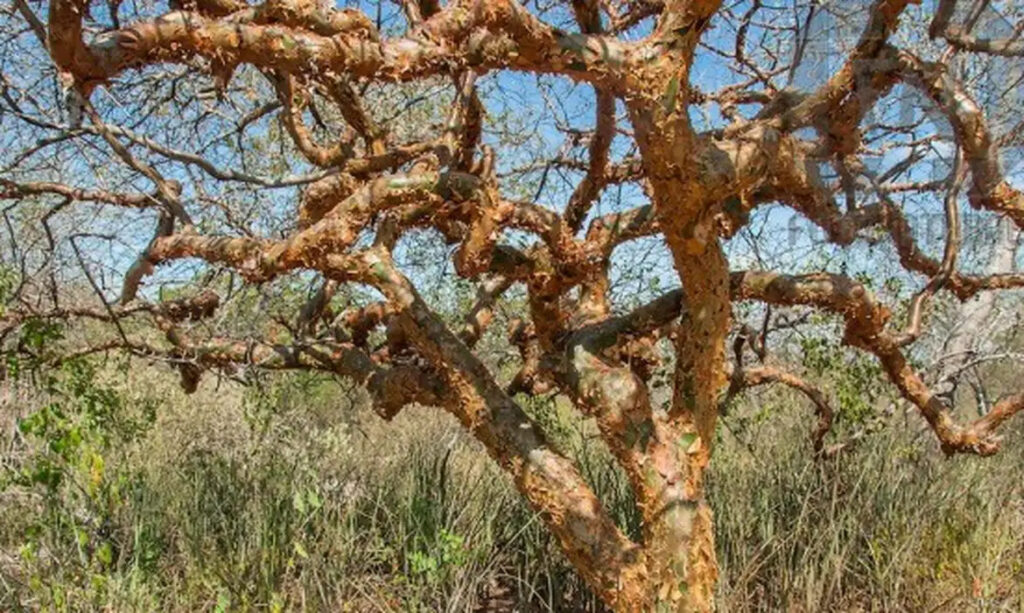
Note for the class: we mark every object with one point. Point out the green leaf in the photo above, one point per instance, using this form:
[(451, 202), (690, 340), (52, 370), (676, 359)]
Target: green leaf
[(223, 602), (105, 554), (313, 499)]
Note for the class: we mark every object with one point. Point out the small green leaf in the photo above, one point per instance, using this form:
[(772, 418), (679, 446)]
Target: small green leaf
[(105, 554), (223, 602), (313, 499)]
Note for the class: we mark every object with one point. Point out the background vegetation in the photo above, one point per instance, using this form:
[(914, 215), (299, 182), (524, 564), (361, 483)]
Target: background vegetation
[(119, 492)]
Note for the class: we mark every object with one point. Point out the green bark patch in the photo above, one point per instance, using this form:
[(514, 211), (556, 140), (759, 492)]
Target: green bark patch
[(686, 441), (380, 271), (688, 393), (573, 43), (639, 434), (668, 100)]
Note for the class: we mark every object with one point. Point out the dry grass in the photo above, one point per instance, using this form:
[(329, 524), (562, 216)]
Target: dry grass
[(293, 498)]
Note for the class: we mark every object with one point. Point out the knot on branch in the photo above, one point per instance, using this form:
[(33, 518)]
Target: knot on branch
[(192, 308)]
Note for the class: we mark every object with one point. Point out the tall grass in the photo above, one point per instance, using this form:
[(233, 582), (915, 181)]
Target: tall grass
[(296, 499), (891, 525)]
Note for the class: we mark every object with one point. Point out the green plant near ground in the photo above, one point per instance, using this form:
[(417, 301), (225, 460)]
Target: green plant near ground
[(76, 485), (854, 377)]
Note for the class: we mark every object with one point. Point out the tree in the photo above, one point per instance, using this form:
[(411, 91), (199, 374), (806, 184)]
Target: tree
[(827, 152)]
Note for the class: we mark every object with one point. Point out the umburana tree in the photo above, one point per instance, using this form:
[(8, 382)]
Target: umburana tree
[(820, 151)]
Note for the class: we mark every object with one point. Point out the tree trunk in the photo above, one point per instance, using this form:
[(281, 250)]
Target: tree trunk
[(686, 178), (664, 458), (686, 547), (682, 564)]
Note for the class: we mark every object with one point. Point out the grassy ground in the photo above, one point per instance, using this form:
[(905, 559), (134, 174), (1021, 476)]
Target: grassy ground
[(293, 498)]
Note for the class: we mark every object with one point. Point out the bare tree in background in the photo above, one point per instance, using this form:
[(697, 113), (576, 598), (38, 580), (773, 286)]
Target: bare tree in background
[(294, 140)]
